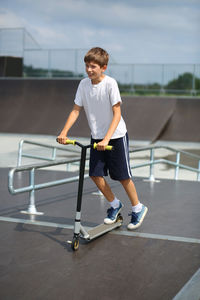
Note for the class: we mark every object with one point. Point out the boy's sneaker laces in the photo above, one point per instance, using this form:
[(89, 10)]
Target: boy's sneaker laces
[(137, 218), (112, 214)]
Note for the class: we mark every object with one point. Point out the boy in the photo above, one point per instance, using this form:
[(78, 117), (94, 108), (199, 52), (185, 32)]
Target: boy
[(99, 96)]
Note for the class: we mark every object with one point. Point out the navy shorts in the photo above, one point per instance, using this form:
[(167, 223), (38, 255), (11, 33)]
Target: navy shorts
[(114, 162)]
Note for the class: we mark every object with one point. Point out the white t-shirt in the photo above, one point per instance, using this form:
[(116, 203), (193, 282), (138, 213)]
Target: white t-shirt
[(97, 100)]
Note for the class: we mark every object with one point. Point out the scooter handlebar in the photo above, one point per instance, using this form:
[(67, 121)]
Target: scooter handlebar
[(73, 142), (107, 147)]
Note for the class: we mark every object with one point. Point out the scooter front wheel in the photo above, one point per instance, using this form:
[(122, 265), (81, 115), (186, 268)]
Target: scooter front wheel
[(75, 244)]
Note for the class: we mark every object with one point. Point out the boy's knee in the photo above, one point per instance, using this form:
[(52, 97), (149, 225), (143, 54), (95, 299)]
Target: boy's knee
[(125, 180), (96, 178)]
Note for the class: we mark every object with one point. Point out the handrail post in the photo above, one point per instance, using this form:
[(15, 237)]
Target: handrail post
[(198, 173), (68, 167), (151, 167), (32, 208), (19, 159), (54, 153), (177, 165)]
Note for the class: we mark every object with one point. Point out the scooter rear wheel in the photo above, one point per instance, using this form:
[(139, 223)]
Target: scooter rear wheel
[(119, 218)]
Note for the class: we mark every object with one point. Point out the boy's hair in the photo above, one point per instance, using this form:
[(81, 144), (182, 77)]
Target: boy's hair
[(98, 56)]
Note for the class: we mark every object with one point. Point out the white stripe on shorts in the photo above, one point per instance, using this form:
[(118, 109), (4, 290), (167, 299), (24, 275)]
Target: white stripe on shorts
[(126, 155)]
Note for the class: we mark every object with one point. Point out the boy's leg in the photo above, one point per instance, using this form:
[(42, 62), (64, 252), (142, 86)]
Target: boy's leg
[(116, 205), (130, 190), (103, 187), (138, 209)]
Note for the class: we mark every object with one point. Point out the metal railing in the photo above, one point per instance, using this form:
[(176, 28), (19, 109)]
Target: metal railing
[(32, 187), (21, 152), (151, 148), (176, 164)]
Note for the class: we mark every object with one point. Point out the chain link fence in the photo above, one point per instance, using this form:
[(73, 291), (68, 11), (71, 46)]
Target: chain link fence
[(68, 63)]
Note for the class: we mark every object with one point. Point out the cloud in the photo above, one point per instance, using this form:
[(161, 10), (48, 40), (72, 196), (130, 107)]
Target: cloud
[(122, 14), (10, 19), (134, 31), (111, 14)]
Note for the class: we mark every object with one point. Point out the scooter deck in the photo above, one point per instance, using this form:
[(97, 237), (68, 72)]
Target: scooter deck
[(102, 229)]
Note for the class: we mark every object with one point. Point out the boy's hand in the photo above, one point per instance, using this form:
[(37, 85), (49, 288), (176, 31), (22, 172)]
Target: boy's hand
[(61, 139), (101, 146)]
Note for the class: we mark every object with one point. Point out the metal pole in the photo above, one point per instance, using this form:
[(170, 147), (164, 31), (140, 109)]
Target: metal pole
[(151, 168), (23, 42), (76, 62), (49, 63), (80, 191), (81, 178), (132, 78), (1, 41), (193, 82), (19, 160), (54, 154), (32, 208), (198, 174), (162, 84), (177, 165)]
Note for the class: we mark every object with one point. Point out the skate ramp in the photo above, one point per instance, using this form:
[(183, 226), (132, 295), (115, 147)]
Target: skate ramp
[(167, 119), (41, 106), (146, 118), (35, 106), (184, 124)]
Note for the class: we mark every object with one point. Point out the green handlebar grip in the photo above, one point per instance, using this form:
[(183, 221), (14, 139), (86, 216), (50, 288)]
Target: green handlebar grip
[(72, 142), (107, 147)]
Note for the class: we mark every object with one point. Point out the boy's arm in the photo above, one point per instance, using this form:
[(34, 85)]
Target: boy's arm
[(113, 125), (73, 116)]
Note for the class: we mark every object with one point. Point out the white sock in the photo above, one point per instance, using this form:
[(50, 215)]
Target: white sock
[(137, 208), (115, 203)]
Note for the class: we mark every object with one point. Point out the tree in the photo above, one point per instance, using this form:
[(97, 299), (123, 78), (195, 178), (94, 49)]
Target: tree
[(183, 82)]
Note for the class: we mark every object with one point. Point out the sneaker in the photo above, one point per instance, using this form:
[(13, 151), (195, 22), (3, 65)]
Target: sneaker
[(137, 218), (112, 214)]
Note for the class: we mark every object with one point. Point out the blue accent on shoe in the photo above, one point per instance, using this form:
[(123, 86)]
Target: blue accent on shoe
[(112, 214), (137, 218)]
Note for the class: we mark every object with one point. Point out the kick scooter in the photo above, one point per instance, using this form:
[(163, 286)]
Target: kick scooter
[(79, 230)]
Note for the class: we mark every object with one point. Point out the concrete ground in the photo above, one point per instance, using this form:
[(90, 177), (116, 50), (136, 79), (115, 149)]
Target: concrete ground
[(159, 260)]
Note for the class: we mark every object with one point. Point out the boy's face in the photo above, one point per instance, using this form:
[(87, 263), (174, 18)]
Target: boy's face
[(95, 72)]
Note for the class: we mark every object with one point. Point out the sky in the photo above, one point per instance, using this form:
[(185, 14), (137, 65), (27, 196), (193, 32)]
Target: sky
[(132, 31)]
